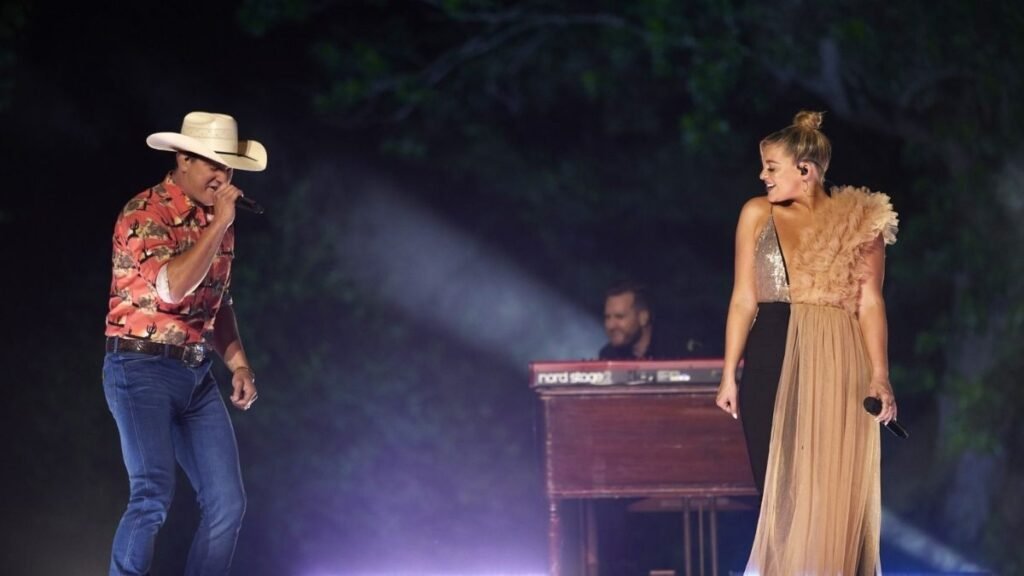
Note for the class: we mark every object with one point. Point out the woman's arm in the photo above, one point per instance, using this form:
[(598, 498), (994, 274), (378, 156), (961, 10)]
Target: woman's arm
[(743, 303), (873, 324)]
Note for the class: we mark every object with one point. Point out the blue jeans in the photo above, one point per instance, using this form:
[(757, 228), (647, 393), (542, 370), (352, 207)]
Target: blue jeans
[(167, 412)]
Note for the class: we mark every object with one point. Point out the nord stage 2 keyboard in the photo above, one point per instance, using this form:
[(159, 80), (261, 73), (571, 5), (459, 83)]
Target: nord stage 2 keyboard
[(705, 371)]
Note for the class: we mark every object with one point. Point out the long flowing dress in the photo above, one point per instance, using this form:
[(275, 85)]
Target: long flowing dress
[(821, 501)]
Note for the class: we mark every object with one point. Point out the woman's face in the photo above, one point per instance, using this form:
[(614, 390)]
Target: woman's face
[(780, 174)]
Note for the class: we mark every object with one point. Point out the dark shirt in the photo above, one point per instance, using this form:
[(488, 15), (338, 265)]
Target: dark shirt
[(656, 350)]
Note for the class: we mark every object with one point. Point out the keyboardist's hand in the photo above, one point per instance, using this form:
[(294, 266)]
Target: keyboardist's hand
[(727, 396)]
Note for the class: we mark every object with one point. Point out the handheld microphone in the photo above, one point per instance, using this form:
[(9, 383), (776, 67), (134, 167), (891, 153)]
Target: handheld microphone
[(249, 204), (874, 407)]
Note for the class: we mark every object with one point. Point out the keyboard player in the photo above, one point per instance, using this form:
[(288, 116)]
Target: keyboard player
[(629, 324), (629, 542)]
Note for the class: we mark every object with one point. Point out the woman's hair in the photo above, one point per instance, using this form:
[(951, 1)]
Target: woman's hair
[(804, 141)]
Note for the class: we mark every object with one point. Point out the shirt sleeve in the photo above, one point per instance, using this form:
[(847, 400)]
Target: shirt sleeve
[(142, 236), (163, 287)]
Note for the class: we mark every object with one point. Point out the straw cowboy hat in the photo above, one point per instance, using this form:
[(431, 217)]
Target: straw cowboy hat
[(213, 136)]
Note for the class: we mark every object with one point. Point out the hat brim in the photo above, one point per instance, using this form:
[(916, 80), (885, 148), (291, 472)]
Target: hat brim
[(250, 156)]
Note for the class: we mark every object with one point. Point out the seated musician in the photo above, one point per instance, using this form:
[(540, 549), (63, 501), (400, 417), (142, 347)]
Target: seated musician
[(626, 541), (629, 324)]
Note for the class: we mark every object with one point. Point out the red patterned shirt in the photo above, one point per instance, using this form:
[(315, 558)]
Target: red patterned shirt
[(155, 226)]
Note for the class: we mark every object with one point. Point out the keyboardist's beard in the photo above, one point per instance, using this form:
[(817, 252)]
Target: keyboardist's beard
[(630, 341)]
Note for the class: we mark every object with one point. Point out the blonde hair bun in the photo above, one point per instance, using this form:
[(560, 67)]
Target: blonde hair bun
[(807, 120), (803, 140)]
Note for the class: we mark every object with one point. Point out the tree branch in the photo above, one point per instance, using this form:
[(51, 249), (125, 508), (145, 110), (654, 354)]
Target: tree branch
[(501, 29)]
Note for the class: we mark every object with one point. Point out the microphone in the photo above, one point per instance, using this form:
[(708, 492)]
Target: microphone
[(249, 204), (874, 407)]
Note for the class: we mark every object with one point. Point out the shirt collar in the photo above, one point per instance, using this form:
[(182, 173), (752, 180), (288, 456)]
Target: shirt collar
[(182, 202)]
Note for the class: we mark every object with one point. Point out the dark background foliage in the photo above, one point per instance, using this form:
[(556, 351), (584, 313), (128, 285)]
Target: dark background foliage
[(452, 185)]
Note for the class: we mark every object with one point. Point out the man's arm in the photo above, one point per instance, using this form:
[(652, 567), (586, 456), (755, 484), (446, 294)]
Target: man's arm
[(186, 270), (228, 344)]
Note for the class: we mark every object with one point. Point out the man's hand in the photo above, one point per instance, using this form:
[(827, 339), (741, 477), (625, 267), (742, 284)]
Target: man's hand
[(243, 384), (224, 202)]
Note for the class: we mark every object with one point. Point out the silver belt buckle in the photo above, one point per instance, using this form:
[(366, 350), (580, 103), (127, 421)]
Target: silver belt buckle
[(195, 353)]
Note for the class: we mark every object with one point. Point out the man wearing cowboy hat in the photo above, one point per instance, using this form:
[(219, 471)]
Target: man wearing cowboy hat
[(169, 309)]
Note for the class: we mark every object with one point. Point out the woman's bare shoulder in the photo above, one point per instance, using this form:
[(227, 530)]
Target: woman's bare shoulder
[(755, 211)]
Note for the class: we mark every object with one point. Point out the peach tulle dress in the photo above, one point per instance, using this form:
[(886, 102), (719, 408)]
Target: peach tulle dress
[(821, 505)]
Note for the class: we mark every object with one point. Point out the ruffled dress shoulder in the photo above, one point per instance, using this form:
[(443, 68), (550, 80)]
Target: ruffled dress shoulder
[(828, 268)]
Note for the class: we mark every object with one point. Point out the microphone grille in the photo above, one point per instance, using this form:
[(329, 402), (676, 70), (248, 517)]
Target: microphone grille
[(873, 405)]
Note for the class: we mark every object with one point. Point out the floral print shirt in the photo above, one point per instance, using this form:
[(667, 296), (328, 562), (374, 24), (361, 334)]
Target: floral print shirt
[(154, 227)]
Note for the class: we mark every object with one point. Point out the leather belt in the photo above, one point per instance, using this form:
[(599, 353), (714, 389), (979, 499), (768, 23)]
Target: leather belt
[(192, 355)]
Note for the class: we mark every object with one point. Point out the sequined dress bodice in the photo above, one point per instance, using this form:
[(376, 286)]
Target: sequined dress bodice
[(770, 267)]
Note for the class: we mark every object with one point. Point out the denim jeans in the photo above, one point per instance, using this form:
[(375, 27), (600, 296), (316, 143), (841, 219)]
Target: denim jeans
[(167, 412)]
